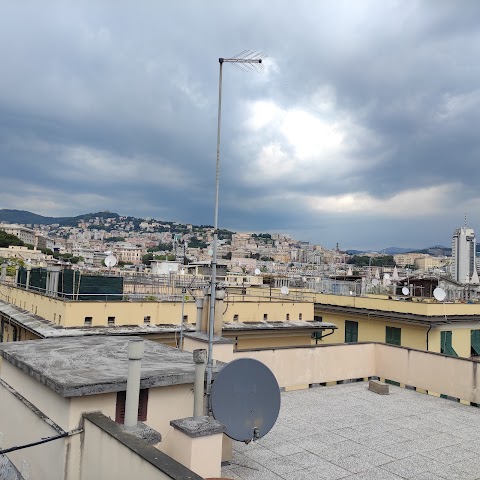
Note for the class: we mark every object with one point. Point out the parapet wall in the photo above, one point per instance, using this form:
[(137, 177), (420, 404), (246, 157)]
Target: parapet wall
[(318, 364)]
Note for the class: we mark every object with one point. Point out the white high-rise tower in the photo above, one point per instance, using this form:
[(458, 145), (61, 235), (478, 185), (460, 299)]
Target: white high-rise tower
[(463, 253)]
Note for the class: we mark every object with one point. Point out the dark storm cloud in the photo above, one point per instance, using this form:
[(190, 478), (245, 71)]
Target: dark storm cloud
[(364, 109)]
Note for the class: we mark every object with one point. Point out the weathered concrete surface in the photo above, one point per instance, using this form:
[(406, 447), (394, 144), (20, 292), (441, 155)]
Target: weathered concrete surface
[(90, 365), (46, 329), (151, 436), (290, 325), (203, 337), (198, 426)]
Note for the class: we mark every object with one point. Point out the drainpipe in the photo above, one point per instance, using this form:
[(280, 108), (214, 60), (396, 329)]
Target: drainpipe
[(199, 357), (135, 354), (4, 271), (198, 321), (29, 271), (428, 331)]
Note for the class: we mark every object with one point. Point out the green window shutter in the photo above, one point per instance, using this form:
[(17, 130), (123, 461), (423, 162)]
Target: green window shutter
[(475, 342), (446, 343), (351, 331), (393, 336)]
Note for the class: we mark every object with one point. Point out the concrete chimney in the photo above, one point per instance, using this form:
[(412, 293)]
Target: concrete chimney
[(135, 354)]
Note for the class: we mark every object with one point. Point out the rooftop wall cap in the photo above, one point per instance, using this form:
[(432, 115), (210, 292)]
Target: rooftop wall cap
[(198, 426), (203, 337)]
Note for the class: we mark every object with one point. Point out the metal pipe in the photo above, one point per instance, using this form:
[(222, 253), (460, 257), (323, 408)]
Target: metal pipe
[(184, 291), (199, 357), (135, 354), (198, 321), (211, 319)]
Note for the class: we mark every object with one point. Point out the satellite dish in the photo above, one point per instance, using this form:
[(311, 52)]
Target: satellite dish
[(257, 271), (108, 252), (284, 290), (110, 261), (210, 252), (246, 399), (439, 294), (375, 282), (405, 291), (304, 279), (386, 276)]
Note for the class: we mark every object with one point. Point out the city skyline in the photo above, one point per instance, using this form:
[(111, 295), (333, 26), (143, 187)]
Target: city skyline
[(361, 130)]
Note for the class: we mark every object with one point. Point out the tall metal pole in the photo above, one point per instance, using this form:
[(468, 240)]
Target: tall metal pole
[(211, 319), (250, 61)]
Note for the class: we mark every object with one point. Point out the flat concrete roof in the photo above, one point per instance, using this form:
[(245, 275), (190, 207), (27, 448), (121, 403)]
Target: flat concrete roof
[(349, 432), (90, 365), (46, 329)]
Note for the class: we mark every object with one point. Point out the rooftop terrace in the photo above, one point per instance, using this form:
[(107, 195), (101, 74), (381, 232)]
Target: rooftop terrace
[(346, 431)]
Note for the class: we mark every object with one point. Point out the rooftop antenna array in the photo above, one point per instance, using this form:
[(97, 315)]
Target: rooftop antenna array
[(245, 60)]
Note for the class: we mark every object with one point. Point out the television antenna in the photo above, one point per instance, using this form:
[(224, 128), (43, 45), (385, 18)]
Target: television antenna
[(245, 397)]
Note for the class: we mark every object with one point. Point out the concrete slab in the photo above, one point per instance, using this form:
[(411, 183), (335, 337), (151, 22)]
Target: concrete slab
[(346, 432), (91, 365)]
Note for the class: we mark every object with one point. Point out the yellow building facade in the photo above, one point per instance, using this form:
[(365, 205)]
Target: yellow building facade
[(451, 328)]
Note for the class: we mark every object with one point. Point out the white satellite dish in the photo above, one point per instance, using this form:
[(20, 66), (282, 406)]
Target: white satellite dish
[(110, 261), (284, 290), (375, 282), (210, 252), (439, 294), (257, 271), (386, 276), (405, 291), (304, 279)]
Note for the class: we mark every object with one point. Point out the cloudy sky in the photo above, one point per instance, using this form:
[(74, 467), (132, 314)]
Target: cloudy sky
[(363, 128)]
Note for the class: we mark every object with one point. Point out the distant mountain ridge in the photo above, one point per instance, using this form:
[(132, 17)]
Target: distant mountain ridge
[(25, 217)]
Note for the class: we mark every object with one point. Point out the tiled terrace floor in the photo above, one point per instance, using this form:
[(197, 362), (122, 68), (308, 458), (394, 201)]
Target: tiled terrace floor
[(349, 432)]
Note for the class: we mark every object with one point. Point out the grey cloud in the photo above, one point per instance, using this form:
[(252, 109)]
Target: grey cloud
[(140, 81)]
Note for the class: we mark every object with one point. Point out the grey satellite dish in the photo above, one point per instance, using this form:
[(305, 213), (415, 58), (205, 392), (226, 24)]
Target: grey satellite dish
[(375, 282), (257, 271), (246, 398), (405, 291), (284, 290), (439, 294), (110, 261)]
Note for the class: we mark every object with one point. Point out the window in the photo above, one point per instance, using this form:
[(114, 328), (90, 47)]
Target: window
[(142, 406), (475, 343), (235, 318), (288, 317), (393, 336), (185, 319), (265, 317), (351, 331), (88, 321), (446, 343), (317, 318), (299, 316), (146, 319), (111, 321)]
